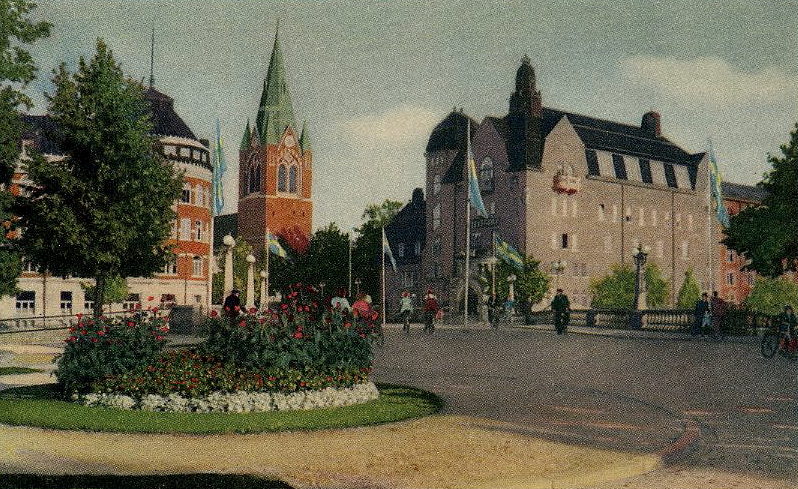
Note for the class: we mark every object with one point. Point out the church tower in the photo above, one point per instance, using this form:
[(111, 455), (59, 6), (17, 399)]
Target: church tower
[(275, 166), (525, 119)]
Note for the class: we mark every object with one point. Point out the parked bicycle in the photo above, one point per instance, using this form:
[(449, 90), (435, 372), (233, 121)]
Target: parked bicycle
[(774, 341)]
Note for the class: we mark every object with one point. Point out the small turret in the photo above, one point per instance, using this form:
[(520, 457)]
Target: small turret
[(246, 138), (304, 138)]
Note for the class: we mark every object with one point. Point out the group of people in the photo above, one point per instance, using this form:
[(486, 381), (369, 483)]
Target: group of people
[(430, 307), (709, 315)]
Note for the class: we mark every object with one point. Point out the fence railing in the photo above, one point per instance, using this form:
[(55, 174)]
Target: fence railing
[(44, 323), (735, 322)]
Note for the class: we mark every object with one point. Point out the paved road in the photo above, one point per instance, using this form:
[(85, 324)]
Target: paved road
[(630, 394)]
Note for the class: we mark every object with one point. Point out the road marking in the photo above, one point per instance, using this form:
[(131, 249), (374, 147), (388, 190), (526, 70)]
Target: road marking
[(700, 412), (755, 409), (572, 409), (785, 426), (779, 399)]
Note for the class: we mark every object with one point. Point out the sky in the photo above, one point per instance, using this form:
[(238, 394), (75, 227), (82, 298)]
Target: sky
[(373, 78)]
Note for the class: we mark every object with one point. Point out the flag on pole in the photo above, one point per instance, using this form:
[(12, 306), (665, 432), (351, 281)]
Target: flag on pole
[(219, 168), (715, 185), (275, 246), (506, 252), (386, 249), (473, 186)]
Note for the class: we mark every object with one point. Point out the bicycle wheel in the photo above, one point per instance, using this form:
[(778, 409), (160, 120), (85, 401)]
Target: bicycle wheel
[(770, 344)]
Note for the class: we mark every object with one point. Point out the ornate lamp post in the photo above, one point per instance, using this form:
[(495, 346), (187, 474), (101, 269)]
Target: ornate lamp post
[(250, 282), (264, 294), (511, 294), (228, 263), (321, 286), (357, 284), (557, 268), (639, 254)]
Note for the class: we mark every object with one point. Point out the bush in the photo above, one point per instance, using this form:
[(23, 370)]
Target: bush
[(299, 334), (100, 347)]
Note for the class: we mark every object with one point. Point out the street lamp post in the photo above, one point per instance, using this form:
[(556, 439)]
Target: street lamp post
[(639, 254), (557, 268), (228, 263), (264, 294), (357, 284), (511, 295), (250, 282)]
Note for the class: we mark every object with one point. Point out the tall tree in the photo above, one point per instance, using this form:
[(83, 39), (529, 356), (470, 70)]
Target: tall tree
[(530, 286), (617, 290), (17, 70), (368, 245), (105, 210), (768, 235), (689, 293), (770, 295)]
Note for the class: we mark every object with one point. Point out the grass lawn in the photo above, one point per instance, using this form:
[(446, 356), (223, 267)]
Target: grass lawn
[(18, 370), (40, 406), (176, 481)]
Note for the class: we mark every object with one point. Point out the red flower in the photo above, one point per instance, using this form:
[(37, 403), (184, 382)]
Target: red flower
[(373, 314), (150, 298), (138, 305), (242, 323), (214, 313), (237, 308), (347, 325), (159, 337), (71, 329), (94, 340), (298, 335), (302, 384), (78, 315), (130, 324), (252, 310), (101, 332)]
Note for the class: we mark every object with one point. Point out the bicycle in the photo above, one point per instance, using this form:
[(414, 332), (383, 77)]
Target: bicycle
[(777, 342)]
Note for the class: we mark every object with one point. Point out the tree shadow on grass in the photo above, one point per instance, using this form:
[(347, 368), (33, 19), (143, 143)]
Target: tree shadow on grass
[(173, 481)]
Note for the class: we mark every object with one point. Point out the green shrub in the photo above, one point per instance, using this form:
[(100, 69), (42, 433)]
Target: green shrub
[(104, 346)]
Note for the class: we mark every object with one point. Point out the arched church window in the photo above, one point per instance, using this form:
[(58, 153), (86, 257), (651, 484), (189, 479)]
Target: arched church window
[(486, 174), (250, 179), (256, 187), (281, 179), (292, 179), (436, 184)]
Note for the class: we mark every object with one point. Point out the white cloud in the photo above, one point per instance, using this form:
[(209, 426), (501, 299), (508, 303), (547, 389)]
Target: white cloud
[(396, 126), (709, 80)]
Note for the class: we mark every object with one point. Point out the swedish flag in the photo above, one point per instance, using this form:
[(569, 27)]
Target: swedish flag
[(219, 168), (473, 186), (504, 251), (717, 196)]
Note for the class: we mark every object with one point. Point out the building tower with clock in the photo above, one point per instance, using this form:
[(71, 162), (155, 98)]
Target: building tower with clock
[(275, 166)]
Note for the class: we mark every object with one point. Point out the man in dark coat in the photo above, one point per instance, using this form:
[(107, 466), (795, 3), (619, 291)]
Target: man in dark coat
[(232, 304), (718, 308), (562, 311), (701, 310)]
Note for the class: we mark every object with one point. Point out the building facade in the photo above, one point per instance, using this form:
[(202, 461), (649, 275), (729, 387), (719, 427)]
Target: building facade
[(564, 188), (406, 235), (184, 281), (275, 166)]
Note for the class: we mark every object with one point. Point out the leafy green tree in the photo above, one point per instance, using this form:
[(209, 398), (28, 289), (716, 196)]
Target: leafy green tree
[(327, 259), (767, 235), (617, 290), (530, 287), (770, 295), (115, 290), (17, 70), (368, 245), (105, 210), (689, 293)]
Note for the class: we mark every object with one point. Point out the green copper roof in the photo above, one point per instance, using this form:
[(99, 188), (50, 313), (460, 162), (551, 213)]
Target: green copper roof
[(246, 138), (275, 111), (304, 138)]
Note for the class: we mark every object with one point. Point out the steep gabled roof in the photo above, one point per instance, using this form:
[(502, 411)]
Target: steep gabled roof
[(165, 121), (448, 135), (408, 226), (739, 191)]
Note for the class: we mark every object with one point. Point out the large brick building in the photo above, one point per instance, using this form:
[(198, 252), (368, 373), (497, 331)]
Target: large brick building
[(183, 281), (566, 187), (275, 168)]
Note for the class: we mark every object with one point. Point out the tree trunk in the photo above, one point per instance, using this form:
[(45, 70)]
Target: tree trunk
[(99, 295)]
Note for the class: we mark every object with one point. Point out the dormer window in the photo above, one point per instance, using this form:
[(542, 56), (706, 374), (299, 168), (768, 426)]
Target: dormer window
[(486, 174)]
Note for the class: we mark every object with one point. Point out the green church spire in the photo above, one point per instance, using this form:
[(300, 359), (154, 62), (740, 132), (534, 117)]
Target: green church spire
[(275, 111), (304, 138), (246, 138)]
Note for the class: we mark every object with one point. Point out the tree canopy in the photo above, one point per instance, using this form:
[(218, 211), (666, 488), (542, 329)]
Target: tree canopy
[(17, 70), (616, 290), (689, 293), (767, 235), (530, 287), (770, 295), (105, 210)]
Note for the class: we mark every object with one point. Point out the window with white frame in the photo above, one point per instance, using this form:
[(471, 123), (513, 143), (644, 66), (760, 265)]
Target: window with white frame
[(170, 268), (685, 249), (400, 250), (66, 301), (436, 216), (198, 230), (417, 248), (730, 256), (196, 267), (185, 229), (131, 301), (486, 174), (26, 301), (185, 195), (292, 179), (436, 184), (730, 278), (564, 241)]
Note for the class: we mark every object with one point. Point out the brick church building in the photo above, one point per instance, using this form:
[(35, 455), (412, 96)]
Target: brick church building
[(275, 169)]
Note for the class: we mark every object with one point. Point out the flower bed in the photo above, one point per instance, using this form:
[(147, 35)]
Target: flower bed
[(238, 401)]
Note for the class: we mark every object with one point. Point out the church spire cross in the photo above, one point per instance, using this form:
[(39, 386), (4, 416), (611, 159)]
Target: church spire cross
[(152, 58)]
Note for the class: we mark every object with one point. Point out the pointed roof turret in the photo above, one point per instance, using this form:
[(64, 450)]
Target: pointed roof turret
[(275, 111), (246, 138), (304, 138)]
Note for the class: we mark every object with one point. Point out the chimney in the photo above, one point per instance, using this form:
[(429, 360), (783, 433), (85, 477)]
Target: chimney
[(651, 124)]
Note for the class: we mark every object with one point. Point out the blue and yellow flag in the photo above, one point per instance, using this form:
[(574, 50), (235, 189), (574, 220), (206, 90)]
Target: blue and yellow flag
[(275, 246), (473, 186), (219, 168), (386, 248), (717, 195), (504, 251)]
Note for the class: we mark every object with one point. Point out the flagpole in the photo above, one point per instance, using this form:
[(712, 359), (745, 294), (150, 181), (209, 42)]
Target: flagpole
[(710, 278), (268, 252), (384, 300), (468, 227), (212, 200)]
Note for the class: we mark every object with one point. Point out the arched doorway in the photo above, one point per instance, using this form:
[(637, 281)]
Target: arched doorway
[(476, 300)]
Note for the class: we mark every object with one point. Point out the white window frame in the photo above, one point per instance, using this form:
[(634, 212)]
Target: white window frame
[(197, 268)]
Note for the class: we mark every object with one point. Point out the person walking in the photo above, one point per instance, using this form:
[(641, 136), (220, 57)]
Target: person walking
[(406, 310), (787, 323), (431, 310), (702, 315), (562, 311), (492, 312), (717, 307), (361, 306), (340, 302)]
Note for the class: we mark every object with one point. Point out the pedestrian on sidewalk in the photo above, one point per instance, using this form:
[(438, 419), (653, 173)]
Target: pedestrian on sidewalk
[(493, 304), (431, 311), (787, 324), (718, 312), (562, 311), (361, 307), (701, 315), (232, 305), (340, 302)]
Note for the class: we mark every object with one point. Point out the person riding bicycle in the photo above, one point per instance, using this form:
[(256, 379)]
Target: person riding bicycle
[(431, 310), (406, 310), (787, 323)]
